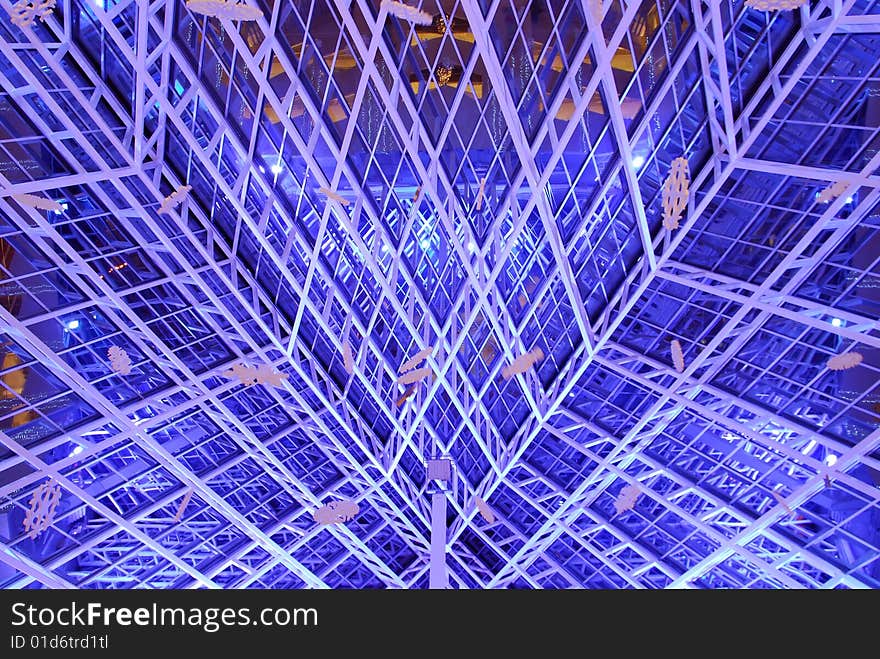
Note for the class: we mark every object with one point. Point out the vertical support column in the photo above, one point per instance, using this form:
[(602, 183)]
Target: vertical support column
[(438, 577)]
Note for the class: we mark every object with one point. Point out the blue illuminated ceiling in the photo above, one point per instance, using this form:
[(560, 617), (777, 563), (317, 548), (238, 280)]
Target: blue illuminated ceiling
[(757, 466)]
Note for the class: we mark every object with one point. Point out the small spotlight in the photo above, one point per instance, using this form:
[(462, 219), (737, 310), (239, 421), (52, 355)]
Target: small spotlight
[(472, 246), (830, 459), (72, 324), (426, 244), (262, 169), (837, 322), (849, 200), (76, 451), (638, 161), (63, 207), (276, 169)]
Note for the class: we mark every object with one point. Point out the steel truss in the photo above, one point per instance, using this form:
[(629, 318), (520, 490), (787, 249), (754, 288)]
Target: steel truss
[(251, 520)]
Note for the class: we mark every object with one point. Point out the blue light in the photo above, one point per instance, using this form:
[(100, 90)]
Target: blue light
[(73, 324)]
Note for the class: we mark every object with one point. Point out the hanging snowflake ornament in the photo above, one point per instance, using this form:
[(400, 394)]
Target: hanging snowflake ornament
[(626, 500), (675, 193), (480, 193), (234, 11), (33, 201), (24, 13), (407, 13), (522, 363), (833, 191), (347, 358), (120, 362), (775, 5), (415, 360), (677, 355), (183, 504), (330, 194), (174, 199), (41, 513), (414, 376), (485, 510), (248, 375), (407, 394), (336, 512), (844, 361)]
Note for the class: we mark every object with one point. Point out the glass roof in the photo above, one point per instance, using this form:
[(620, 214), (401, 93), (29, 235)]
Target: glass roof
[(485, 185)]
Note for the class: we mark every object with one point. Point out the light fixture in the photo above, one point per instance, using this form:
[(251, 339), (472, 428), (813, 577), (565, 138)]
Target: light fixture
[(830, 460), (638, 161), (472, 246), (837, 322), (426, 244), (76, 451), (276, 169), (72, 324), (849, 200)]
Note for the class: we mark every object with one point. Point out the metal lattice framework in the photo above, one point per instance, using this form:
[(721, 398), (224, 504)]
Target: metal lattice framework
[(505, 168)]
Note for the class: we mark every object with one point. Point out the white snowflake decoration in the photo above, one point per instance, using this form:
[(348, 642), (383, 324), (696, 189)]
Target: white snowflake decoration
[(845, 361), (119, 360), (38, 202), (25, 12), (522, 363), (485, 510), (174, 199), (626, 499), (183, 504), (675, 193), (414, 376), (677, 355), (330, 194), (833, 191), (775, 5), (41, 512), (479, 203), (415, 360), (336, 512), (347, 357), (407, 394), (248, 375), (407, 13), (234, 11)]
